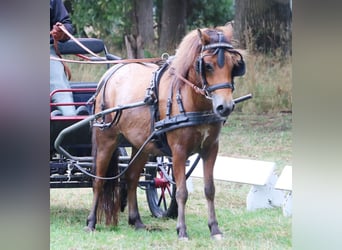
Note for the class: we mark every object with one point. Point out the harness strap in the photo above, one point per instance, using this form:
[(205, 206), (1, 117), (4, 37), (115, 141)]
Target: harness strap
[(224, 45), (187, 119), (180, 102), (225, 85), (153, 92)]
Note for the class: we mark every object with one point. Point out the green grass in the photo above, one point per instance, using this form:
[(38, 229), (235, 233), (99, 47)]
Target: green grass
[(262, 229), (260, 137)]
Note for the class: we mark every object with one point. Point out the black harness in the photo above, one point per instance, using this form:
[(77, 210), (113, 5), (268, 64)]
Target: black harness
[(186, 119), (183, 119)]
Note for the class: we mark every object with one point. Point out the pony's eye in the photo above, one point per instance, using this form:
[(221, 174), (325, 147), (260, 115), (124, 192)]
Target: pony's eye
[(209, 67)]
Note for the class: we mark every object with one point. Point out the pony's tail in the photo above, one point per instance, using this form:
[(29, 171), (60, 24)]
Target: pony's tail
[(109, 199)]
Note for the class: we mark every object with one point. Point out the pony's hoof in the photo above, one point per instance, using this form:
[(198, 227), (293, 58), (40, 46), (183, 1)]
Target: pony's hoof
[(139, 226), (217, 237), (184, 238), (89, 229)]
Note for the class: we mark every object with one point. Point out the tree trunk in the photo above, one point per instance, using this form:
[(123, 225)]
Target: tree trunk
[(141, 39), (145, 24), (173, 24), (264, 26)]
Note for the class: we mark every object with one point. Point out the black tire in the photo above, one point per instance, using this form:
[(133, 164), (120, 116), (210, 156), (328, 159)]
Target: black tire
[(161, 200)]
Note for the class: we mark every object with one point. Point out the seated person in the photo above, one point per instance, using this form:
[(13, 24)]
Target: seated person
[(58, 78)]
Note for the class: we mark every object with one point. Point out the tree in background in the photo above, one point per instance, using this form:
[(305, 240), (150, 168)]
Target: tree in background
[(108, 20), (206, 13), (264, 26), (261, 26), (146, 27), (173, 24), (140, 38)]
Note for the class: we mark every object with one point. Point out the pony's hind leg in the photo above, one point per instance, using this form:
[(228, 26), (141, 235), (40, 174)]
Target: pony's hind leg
[(132, 178), (105, 164), (209, 191)]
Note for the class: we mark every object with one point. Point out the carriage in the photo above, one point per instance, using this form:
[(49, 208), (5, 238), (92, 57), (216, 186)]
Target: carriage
[(70, 155), (144, 157)]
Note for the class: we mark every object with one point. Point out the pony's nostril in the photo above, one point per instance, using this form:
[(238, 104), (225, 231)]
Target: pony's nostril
[(219, 108), (223, 110)]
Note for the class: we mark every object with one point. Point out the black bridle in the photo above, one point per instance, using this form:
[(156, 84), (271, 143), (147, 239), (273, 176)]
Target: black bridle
[(219, 49)]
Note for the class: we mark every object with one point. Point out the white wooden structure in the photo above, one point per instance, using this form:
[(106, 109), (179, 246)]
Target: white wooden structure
[(285, 183), (259, 174)]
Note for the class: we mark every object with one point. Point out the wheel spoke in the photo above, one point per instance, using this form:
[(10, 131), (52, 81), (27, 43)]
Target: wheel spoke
[(161, 196), (168, 190), (160, 199)]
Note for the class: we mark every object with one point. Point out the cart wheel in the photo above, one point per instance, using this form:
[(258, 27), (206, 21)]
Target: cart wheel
[(161, 195)]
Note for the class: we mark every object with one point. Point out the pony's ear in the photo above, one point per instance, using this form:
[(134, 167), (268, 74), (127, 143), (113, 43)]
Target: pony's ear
[(204, 38), (227, 30)]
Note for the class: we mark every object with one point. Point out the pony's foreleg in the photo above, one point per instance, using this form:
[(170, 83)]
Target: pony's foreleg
[(179, 159), (132, 178), (209, 190)]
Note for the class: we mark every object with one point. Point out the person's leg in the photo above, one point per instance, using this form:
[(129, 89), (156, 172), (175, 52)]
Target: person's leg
[(58, 80)]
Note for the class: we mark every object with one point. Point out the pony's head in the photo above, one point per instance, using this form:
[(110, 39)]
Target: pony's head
[(212, 63)]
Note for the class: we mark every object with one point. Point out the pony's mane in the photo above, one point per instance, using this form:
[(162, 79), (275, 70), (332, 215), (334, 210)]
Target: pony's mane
[(190, 47), (186, 53)]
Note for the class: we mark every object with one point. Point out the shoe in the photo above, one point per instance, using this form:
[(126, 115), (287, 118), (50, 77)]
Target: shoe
[(82, 110), (56, 112)]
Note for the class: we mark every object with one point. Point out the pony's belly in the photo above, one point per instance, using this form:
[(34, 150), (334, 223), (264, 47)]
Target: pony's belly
[(135, 126)]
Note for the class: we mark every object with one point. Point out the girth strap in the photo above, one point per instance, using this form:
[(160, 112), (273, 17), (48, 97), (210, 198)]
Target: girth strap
[(187, 119)]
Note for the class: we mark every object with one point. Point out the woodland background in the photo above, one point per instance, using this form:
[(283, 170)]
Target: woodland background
[(149, 28)]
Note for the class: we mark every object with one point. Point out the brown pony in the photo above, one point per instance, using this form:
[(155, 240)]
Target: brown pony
[(189, 100)]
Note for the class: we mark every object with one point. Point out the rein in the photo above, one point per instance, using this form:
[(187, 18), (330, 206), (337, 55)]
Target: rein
[(58, 53), (193, 86), (140, 60), (61, 26), (59, 58), (160, 127)]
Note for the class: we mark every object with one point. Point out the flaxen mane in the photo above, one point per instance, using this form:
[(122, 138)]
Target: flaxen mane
[(187, 52)]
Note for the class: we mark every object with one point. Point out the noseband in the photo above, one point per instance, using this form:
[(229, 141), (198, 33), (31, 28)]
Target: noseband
[(219, 48)]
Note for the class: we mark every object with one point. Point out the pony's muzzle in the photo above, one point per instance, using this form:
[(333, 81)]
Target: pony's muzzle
[(225, 109)]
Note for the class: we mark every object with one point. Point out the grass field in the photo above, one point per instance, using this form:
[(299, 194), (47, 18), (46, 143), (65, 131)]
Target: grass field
[(261, 137)]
